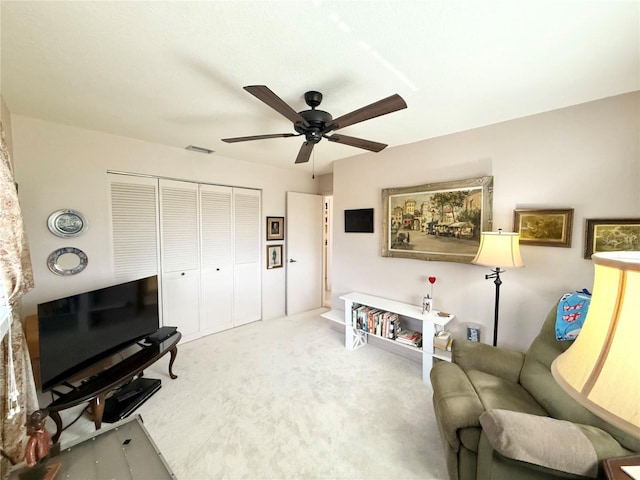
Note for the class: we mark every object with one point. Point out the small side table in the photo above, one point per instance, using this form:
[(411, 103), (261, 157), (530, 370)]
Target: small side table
[(612, 466)]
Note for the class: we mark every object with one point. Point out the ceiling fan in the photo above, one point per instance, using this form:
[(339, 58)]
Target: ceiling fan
[(317, 124)]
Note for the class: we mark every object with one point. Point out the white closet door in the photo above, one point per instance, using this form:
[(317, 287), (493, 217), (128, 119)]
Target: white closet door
[(216, 240), (247, 294), (180, 256), (134, 226)]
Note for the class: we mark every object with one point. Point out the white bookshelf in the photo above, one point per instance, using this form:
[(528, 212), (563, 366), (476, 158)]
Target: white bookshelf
[(428, 324), (334, 315)]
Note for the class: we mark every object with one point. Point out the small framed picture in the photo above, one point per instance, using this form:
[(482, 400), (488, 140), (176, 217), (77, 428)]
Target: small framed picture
[(274, 256), (611, 235), (473, 332), (275, 228), (548, 228)]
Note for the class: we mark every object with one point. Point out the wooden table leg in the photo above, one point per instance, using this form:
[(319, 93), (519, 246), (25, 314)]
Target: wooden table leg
[(173, 352), (97, 407), (55, 416)]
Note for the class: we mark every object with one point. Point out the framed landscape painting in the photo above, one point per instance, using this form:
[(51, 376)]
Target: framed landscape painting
[(545, 227), (611, 235), (437, 221)]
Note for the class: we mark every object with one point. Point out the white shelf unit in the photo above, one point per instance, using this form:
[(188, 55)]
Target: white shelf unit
[(334, 315), (355, 338), (442, 354)]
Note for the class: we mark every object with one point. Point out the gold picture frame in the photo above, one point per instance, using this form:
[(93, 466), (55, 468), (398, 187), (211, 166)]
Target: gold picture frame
[(611, 235), (437, 221), (551, 227)]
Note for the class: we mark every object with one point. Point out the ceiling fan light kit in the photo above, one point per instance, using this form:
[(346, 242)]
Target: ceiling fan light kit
[(317, 124)]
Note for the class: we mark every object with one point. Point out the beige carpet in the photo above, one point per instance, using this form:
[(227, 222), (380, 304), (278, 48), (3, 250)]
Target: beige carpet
[(283, 399)]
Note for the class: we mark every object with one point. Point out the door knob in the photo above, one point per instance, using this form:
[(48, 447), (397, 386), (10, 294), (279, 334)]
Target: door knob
[(291, 260)]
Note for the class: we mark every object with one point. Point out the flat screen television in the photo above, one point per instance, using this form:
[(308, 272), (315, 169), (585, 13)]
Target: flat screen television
[(358, 221), (78, 331)]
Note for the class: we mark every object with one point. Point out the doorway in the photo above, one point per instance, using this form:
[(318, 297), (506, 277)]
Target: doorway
[(327, 202)]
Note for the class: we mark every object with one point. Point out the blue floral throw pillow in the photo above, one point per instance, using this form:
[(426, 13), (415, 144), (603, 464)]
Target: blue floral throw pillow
[(572, 310)]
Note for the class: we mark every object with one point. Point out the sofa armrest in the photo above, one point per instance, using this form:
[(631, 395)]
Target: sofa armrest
[(548, 442), (455, 401), (500, 362)]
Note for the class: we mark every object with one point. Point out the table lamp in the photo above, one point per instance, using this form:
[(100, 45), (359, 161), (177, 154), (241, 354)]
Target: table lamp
[(500, 250), (601, 370)]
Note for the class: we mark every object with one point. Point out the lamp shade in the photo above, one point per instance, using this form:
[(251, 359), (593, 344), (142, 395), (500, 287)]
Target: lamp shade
[(499, 249), (601, 370)]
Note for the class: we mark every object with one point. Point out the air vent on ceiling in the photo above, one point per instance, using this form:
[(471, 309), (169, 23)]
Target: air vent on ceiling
[(193, 148)]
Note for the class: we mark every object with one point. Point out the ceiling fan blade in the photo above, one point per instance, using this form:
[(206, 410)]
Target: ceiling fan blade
[(305, 152), (357, 142), (259, 137), (382, 107), (263, 93)]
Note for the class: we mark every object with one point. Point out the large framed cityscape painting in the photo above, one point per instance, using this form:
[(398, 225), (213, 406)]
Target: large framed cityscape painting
[(437, 221)]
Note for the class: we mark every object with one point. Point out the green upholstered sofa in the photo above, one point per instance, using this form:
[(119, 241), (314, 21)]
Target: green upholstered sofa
[(501, 415)]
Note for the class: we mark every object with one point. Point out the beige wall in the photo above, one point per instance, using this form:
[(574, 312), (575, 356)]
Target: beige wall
[(584, 157), (65, 167), (325, 184)]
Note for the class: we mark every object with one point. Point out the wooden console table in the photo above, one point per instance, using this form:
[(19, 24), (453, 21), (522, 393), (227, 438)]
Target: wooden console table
[(96, 389)]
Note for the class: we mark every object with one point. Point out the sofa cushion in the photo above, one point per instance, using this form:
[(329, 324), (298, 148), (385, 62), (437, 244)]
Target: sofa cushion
[(496, 392), (555, 444)]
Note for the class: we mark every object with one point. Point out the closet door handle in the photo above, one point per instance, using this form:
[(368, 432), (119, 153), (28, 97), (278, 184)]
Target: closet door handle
[(291, 260)]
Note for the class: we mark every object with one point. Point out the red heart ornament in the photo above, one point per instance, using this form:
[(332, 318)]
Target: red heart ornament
[(432, 280)]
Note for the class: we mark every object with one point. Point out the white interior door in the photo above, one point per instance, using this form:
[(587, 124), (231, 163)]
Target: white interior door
[(180, 256), (304, 252), (247, 296), (216, 247)]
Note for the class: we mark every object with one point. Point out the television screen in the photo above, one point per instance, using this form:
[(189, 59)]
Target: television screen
[(78, 331), (360, 220)]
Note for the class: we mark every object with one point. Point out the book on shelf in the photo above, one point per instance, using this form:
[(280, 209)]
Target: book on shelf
[(409, 337), (375, 322)]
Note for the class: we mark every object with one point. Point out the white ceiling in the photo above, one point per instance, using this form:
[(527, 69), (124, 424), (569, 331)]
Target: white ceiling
[(173, 72)]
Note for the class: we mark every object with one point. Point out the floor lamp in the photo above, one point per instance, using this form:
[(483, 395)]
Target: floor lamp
[(499, 250)]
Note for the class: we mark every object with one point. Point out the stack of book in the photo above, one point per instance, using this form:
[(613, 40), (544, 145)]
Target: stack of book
[(442, 341), (410, 337), (376, 322)]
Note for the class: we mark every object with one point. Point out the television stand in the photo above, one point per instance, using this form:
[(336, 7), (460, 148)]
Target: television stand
[(96, 388)]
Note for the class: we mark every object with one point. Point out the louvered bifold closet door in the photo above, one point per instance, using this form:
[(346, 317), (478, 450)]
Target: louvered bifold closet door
[(216, 255), (134, 226), (180, 256), (247, 256)]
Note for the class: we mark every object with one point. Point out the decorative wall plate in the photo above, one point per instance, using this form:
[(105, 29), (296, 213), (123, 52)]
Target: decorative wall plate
[(67, 261), (67, 223)]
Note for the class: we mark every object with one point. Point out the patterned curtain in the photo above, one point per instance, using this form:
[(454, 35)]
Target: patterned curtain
[(17, 388)]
